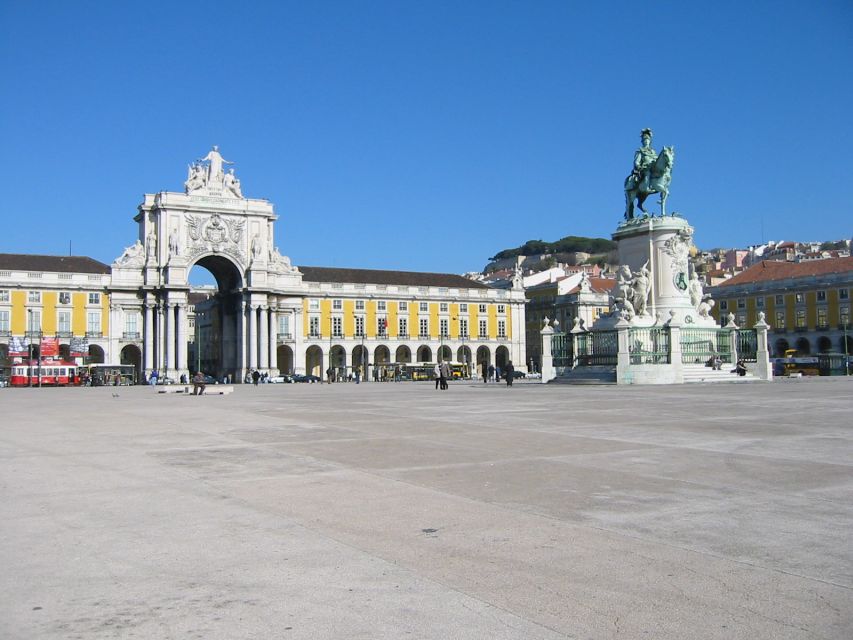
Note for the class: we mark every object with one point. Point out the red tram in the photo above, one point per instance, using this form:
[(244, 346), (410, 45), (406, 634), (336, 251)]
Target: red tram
[(53, 373)]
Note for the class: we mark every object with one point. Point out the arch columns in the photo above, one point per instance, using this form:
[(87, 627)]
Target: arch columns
[(148, 343), (264, 338)]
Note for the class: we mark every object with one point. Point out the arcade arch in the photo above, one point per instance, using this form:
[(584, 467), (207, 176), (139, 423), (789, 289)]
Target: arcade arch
[(314, 361), (501, 357), (424, 354), (284, 359), (404, 354)]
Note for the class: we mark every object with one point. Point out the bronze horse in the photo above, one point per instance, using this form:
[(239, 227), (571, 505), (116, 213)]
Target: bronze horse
[(657, 181)]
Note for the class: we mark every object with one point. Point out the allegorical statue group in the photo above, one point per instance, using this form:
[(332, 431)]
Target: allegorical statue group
[(652, 173), (212, 176)]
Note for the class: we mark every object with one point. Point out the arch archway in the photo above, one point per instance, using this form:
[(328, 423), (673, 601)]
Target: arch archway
[(131, 354), (381, 355), (781, 347), (314, 361), (484, 358), (65, 352), (284, 359), (360, 356), (463, 355), (445, 353), (804, 347), (424, 354), (404, 354), (824, 344), (217, 311), (96, 355), (501, 357)]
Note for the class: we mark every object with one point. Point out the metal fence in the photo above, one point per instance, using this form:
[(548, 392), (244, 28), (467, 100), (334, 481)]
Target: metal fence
[(747, 345), (561, 349), (649, 345), (597, 348), (698, 345)]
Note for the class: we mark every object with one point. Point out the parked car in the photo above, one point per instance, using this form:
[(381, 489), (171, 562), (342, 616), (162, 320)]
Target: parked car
[(298, 377), (282, 379), (518, 374), (209, 380), (165, 380)]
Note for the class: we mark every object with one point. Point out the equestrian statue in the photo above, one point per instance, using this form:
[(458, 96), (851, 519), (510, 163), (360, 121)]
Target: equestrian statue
[(652, 173)]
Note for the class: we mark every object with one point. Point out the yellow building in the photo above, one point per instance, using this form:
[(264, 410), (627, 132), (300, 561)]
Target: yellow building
[(45, 297), (807, 303)]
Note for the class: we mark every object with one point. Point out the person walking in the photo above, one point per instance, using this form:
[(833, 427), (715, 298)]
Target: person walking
[(509, 371), (491, 371), (436, 373), (256, 376)]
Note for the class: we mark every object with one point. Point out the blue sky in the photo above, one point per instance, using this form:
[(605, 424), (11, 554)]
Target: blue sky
[(426, 136)]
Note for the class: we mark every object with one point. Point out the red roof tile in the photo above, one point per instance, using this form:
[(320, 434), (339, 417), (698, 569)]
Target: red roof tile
[(769, 270)]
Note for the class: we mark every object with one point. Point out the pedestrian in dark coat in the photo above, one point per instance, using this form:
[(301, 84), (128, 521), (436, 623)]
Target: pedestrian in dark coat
[(509, 371)]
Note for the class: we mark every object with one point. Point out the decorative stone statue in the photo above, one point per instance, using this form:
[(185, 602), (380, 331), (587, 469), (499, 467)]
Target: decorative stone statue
[(214, 170), (174, 249), (281, 263), (133, 256), (232, 184), (641, 287), (585, 285), (696, 290), (517, 278), (151, 246), (256, 247), (704, 308), (652, 173), (196, 177)]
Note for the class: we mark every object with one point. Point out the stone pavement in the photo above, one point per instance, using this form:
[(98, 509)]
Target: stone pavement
[(395, 511)]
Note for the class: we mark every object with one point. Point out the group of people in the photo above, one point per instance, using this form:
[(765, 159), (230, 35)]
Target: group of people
[(442, 374), (495, 374), (716, 363)]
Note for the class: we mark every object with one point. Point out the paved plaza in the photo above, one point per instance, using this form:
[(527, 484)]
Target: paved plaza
[(396, 511)]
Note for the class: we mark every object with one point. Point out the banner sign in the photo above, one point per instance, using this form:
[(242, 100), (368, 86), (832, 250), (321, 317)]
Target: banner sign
[(78, 347), (49, 348), (17, 347)]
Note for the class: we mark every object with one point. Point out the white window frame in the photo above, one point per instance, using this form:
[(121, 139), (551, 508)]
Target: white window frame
[(33, 320), (313, 304), (93, 298), (423, 328), (483, 329), (359, 305), (423, 307), (337, 327), (484, 308), (337, 304), (63, 327), (93, 322), (403, 326), (501, 309), (359, 326), (381, 305), (4, 295), (403, 307), (463, 307), (284, 325), (34, 297), (314, 326), (442, 307), (501, 328), (463, 327), (4, 321), (444, 327)]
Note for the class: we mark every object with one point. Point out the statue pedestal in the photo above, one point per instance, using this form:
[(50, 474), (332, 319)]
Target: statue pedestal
[(662, 245)]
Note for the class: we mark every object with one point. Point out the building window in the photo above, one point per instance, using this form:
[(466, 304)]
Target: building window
[(501, 328), (759, 302), (741, 319), (843, 294), (741, 303), (484, 332), (424, 307), (337, 305), (463, 308), (403, 329), (130, 325), (33, 320), (93, 322), (34, 296), (501, 308), (800, 298), (463, 327), (359, 305), (4, 322), (443, 307), (482, 308), (821, 317), (821, 296), (63, 322), (843, 316), (380, 305), (780, 319), (314, 327), (337, 327), (313, 304), (780, 300), (359, 326), (381, 326), (4, 295), (444, 327), (284, 325), (424, 324), (403, 306), (64, 297), (94, 298), (801, 318)]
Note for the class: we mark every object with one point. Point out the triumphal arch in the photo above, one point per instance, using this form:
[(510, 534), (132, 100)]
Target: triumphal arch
[(212, 225)]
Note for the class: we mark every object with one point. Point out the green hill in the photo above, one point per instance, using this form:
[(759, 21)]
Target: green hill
[(564, 245)]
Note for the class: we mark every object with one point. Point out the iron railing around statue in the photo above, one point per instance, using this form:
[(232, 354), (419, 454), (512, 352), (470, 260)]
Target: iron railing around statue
[(561, 350), (699, 344), (649, 345), (596, 348), (747, 345)]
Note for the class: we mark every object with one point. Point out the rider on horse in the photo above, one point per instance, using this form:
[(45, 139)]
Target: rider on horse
[(644, 158)]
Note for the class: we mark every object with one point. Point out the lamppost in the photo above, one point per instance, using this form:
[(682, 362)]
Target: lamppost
[(30, 346), (846, 351)]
